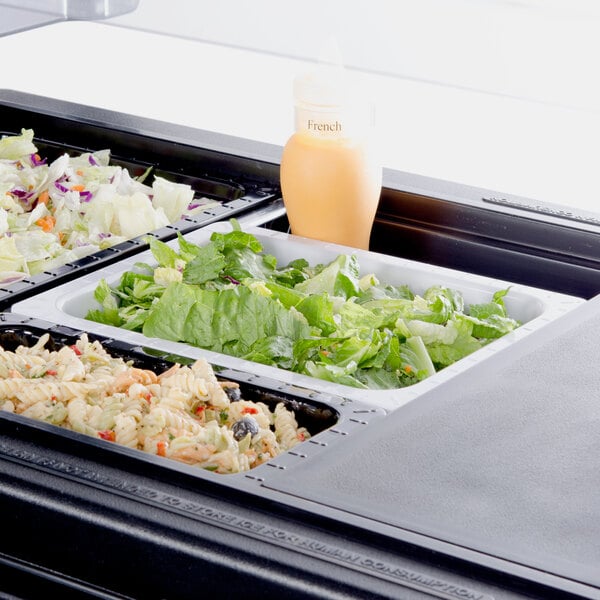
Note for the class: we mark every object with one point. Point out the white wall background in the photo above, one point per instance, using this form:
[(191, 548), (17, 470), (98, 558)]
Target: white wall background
[(542, 50), (501, 94)]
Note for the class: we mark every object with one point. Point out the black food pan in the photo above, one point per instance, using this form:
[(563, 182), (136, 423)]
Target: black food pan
[(317, 415)]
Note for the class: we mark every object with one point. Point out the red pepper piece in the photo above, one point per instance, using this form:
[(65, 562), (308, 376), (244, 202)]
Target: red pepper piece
[(107, 434), (161, 448)]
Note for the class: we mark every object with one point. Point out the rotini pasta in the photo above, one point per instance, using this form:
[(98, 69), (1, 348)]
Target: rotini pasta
[(184, 413), (286, 428)]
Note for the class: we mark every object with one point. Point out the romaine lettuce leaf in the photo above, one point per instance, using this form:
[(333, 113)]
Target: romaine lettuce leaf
[(318, 310), (164, 255), (444, 352), (165, 275), (415, 358), (334, 373), (274, 350), (491, 327), (168, 317), (244, 263), (353, 318), (490, 320), (295, 272), (230, 320), (339, 278), (109, 313), (287, 296), (381, 291), (208, 264)]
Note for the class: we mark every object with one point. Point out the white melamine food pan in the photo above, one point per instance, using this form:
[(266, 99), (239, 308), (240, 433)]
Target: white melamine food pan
[(534, 308)]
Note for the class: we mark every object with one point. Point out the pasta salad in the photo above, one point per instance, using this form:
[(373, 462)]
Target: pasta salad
[(184, 413)]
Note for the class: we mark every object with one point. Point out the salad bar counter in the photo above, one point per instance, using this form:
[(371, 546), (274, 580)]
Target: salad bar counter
[(210, 405)]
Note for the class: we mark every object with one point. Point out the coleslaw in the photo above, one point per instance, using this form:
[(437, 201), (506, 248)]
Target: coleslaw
[(58, 212)]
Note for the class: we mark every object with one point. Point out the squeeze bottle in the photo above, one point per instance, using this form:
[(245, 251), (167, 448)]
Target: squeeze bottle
[(330, 174)]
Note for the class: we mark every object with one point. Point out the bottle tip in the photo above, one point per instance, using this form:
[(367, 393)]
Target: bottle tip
[(325, 85)]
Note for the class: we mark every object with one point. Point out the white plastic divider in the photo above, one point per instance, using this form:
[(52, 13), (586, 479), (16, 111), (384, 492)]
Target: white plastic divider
[(535, 308)]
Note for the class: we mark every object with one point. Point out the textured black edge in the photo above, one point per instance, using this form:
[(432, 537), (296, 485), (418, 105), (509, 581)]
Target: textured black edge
[(258, 526), (344, 544), (21, 580)]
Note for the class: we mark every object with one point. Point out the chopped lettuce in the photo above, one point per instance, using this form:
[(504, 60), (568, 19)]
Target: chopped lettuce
[(10, 257), (76, 205), (134, 215), (16, 146), (326, 320), (171, 198)]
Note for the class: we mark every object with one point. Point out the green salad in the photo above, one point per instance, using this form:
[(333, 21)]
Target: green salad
[(326, 321)]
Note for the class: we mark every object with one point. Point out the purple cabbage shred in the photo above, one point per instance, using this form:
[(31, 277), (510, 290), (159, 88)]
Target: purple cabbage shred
[(36, 161)]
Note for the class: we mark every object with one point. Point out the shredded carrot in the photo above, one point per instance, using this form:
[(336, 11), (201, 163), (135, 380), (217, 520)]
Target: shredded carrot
[(161, 448), (408, 369), (43, 197), (79, 172), (46, 223), (107, 434), (78, 187)]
